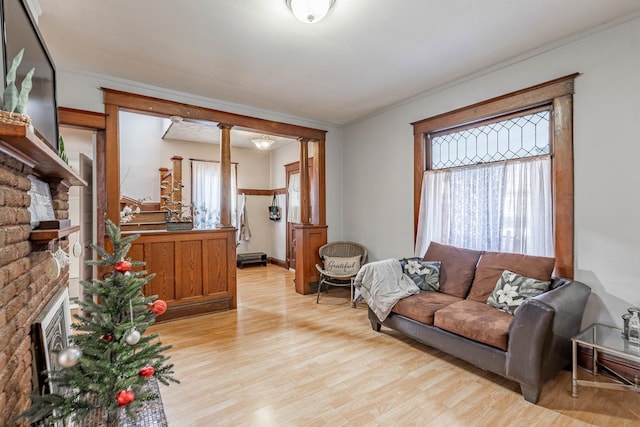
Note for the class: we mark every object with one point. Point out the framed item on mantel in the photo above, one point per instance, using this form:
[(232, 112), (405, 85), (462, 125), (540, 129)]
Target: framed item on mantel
[(41, 206)]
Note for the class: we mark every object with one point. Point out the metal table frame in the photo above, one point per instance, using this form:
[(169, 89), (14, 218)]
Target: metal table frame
[(599, 337)]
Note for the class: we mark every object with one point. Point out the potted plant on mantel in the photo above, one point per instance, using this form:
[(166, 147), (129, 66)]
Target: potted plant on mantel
[(13, 102)]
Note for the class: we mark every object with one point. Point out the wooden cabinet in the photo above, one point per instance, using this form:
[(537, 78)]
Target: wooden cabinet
[(195, 270)]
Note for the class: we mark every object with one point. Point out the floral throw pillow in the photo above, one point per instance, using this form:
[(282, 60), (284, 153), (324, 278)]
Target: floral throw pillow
[(425, 274), (513, 289)]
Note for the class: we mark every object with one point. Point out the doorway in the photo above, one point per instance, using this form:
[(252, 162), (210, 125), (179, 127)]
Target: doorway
[(79, 146)]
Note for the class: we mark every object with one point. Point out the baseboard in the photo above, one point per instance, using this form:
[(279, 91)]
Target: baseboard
[(278, 262), (627, 369)]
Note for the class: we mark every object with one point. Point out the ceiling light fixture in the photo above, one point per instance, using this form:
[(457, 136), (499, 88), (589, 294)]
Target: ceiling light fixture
[(263, 142), (310, 11)]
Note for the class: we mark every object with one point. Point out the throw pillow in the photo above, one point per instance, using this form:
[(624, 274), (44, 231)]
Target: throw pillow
[(339, 266), (425, 274), (513, 289)]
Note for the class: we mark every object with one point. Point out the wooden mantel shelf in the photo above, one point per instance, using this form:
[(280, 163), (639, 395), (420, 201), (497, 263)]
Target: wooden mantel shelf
[(44, 235), (21, 143)]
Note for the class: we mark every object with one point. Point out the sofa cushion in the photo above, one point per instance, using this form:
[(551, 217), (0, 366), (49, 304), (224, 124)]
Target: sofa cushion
[(425, 274), (421, 307), (492, 264), (457, 266), (513, 289), (477, 321)]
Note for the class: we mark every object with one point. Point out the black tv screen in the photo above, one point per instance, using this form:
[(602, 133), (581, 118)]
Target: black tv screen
[(20, 31)]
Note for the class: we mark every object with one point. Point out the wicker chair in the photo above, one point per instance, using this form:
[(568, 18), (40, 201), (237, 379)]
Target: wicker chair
[(341, 250)]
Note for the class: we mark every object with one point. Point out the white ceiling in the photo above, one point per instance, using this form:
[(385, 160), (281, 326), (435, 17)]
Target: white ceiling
[(365, 55), (209, 133)]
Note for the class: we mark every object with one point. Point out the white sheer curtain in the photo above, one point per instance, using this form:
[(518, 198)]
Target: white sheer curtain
[(205, 181), (496, 207), (293, 210)]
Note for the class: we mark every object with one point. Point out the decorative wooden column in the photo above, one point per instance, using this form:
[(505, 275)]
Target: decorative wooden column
[(309, 237), (225, 176), (305, 200)]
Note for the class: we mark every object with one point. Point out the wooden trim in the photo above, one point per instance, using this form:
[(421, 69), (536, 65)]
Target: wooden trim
[(514, 101), (278, 262), (558, 93), (164, 107), (257, 192), (81, 118), (112, 163), (419, 166), (319, 185), (21, 143), (54, 234), (562, 170), (100, 172), (305, 199)]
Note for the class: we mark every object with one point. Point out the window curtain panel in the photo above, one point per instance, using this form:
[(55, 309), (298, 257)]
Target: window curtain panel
[(293, 210), (206, 194), (505, 207)]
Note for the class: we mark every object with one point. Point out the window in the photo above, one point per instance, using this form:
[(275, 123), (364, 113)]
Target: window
[(293, 210), (205, 181), (488, 187), (498, 175)]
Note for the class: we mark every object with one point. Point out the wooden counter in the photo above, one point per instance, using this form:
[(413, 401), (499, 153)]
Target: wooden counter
[(195, 269)]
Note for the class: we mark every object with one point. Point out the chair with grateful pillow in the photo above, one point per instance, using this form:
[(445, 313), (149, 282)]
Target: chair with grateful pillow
[(341, 263)]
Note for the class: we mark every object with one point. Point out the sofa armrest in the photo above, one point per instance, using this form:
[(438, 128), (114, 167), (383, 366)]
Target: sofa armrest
[(569, 299), (529, 330), (540, 334)]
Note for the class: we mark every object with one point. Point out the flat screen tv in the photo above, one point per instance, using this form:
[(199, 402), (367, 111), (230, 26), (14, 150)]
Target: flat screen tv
[(19, 30)]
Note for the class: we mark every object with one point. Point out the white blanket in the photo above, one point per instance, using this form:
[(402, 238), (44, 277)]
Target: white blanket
[(382, 284)]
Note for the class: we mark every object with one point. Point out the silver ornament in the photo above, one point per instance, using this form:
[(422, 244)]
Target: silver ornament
[(69, 356), (132, 337)]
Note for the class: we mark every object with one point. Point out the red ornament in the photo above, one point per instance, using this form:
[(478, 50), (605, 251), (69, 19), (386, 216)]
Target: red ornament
[(124, 397), (123, 266), (158, 307), (107, 337), (147, 371)]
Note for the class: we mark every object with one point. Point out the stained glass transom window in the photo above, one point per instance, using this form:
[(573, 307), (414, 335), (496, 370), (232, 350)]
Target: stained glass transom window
[(517, 137)]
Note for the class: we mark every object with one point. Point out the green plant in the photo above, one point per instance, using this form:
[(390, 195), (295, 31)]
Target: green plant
[(12, 101), (61, 150)]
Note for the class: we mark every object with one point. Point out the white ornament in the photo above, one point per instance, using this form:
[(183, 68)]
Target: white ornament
[(132, 337), (69, 356), (51, 267), (77, 249)]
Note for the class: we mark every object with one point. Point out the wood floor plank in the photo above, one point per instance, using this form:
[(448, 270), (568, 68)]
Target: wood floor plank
[(280, 359)]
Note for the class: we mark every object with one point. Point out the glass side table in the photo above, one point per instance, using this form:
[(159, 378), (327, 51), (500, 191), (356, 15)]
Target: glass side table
[(605, 338)]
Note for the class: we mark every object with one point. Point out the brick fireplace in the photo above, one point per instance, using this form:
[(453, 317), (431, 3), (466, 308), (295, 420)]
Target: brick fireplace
[(24, 287)]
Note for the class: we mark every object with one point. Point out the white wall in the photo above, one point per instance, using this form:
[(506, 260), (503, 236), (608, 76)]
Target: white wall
[(79, 89), (379, 206)]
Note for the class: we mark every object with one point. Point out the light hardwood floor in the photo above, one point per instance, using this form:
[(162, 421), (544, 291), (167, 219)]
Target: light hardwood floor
[(280, 359)]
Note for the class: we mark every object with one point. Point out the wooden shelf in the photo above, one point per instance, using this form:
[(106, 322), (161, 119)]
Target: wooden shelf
[(44, 235), (21, 143)]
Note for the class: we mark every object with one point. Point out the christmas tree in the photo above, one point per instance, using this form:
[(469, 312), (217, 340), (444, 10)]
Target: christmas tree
[(110, 359)]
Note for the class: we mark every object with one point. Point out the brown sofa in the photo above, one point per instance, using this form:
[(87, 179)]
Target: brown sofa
[(529, 347)]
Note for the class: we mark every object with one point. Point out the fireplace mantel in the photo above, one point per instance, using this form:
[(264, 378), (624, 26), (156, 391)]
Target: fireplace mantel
[(22, 144)]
